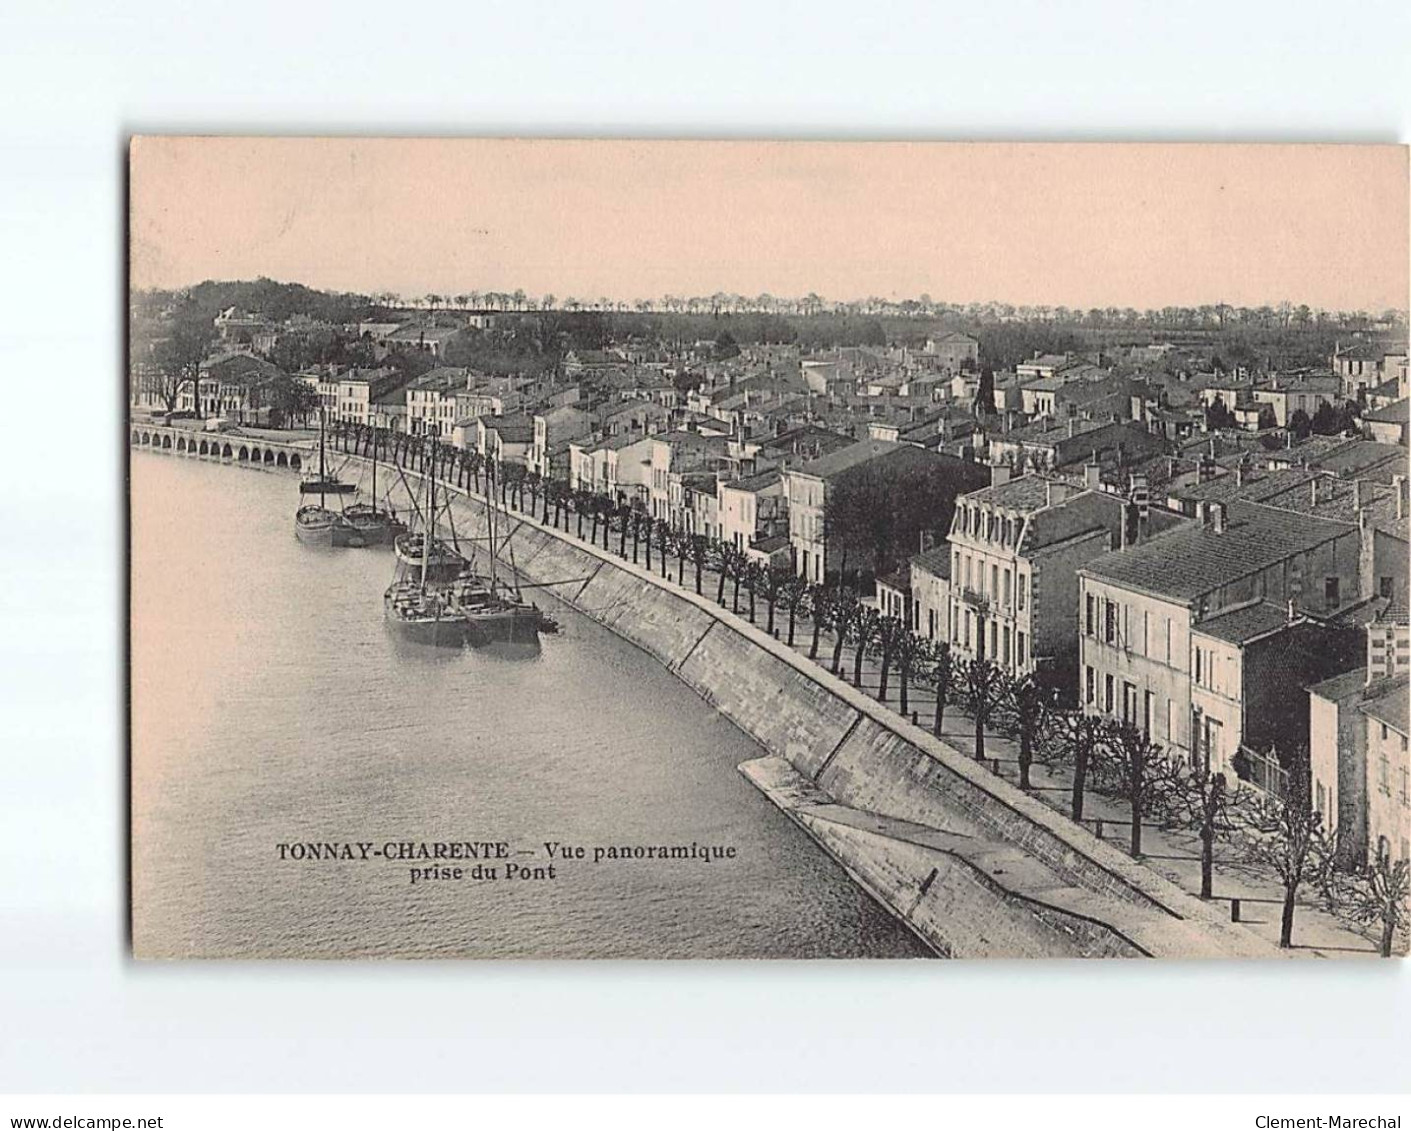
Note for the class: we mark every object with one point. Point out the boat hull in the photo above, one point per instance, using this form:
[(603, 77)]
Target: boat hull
[(445, 564), (511, 625), (428, 630)]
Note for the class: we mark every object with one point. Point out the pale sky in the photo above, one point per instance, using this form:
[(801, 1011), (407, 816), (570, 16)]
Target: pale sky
[(1058, 224)]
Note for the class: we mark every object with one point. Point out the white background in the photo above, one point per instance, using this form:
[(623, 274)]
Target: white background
[(75, 1014)]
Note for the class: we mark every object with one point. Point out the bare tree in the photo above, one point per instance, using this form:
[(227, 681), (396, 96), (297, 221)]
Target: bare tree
[(842, 613), (940, 672), (1081, 739), (867, 621), (984, 688), (1134, 769), (909, 649), (1286, 836), (1203, 800), (1027, 711), (1375, 896), (890, 630)]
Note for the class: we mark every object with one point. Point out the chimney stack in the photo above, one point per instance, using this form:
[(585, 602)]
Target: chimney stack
[(1072, 427), (1398, 483), (1057, 491), (1092, 476), (1217, 517), (1359, 497)]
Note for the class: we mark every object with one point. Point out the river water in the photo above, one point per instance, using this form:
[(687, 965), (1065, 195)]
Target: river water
[(271, 706)]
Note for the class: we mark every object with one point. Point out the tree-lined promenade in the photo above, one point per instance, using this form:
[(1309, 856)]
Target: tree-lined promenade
[(1269, 858)]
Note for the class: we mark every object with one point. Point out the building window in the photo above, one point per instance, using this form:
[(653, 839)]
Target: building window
[(1006, 588), (1091, 628), (1023, 590), (1109, 621), (1089, 685), (1019, 649), (1108, 695), (1384, 587), (1330, 592)]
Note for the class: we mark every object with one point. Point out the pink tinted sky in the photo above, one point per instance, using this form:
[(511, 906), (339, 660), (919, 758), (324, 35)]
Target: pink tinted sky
[(1057, 224)]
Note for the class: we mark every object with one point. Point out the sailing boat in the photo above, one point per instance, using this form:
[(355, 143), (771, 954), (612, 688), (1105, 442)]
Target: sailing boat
[(496, 615), (378, 527), (415, 604), (421, 551), (319, 525)]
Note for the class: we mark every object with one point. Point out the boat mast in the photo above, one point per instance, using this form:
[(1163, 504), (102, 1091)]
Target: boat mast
[(322, 477), (490, 500), (374, 470), (428, 537)]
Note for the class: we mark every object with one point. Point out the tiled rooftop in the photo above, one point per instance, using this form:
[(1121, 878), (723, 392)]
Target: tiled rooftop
[(1193, 559)]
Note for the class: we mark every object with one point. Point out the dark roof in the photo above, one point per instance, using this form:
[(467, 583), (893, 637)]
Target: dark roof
[(1390, 706), (1340, 687), (844, 459), (898, 579), (1258, 485), (1192, 559), (1359, 456), (1397, 413), (1239, 626), (1028, 492), (758, 482), (513, 428), (935, 561)]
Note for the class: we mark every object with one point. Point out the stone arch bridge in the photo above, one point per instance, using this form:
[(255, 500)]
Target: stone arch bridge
[(231, 447)]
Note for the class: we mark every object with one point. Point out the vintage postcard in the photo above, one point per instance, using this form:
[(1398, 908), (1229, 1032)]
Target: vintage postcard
[(626, 549)]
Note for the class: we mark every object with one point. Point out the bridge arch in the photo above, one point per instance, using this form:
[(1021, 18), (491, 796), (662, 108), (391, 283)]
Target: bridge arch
[(269, 455), (281, 460), (226, 453), (244, 453), (136, 437), (166, 442), (181, 443), (296, 463), (147, 437)]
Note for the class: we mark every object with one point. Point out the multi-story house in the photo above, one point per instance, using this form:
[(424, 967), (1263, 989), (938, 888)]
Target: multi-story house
[(1388, 766), (230, 385), (553, 430), (1358, 774), (1149, 614), (675, 454), (432, 408), (619, 467), (930, 593), (1015, 547), (953, 351), (505, 439), (753, 509), (809, 487), (699, 504), (1288, 395)]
